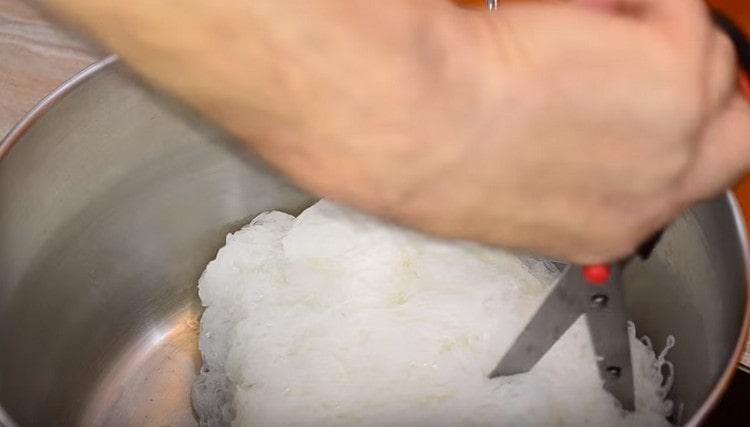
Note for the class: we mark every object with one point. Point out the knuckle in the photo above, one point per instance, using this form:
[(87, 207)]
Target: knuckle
[(675, 166), (617, 240), (626, 239), (665, 174), (688, 106), (635, 227)]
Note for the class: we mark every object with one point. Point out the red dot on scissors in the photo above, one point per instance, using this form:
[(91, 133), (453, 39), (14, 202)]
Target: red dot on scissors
[(745, 85), (596, 274)]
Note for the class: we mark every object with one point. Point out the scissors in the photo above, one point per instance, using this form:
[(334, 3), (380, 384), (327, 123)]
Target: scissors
[(598, 292)]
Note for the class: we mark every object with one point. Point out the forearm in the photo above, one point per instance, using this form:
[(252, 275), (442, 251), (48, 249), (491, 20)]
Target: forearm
[(226, 57), (283, 78)]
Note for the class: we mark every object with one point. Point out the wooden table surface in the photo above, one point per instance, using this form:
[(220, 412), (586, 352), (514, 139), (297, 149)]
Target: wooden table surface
[(37, 55)]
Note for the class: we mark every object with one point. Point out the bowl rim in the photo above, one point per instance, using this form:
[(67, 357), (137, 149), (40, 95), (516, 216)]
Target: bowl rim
[(22, 126), (53, 98)]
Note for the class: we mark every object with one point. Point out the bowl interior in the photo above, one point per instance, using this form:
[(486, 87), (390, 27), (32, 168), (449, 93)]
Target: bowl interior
[(112, 203)]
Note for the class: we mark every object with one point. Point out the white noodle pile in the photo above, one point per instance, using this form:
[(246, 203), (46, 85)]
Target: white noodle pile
[(336, 319)]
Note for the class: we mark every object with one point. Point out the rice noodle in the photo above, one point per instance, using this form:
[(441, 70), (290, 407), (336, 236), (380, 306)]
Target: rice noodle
[(335, 318)]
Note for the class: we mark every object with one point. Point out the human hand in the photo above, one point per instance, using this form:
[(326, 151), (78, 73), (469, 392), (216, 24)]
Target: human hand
[(629, 124), (561, 129), (707, 126)]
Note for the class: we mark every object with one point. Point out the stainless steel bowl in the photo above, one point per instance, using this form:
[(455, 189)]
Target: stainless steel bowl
[(112, 201)]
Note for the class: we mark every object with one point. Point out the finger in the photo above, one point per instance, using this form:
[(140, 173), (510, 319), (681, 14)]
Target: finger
[(722, 68), (688, 17), (655, 8), (724, 152), (608, 5)]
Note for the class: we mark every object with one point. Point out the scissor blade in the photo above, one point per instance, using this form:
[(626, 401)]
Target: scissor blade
[(557, 313), (608, 326)]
